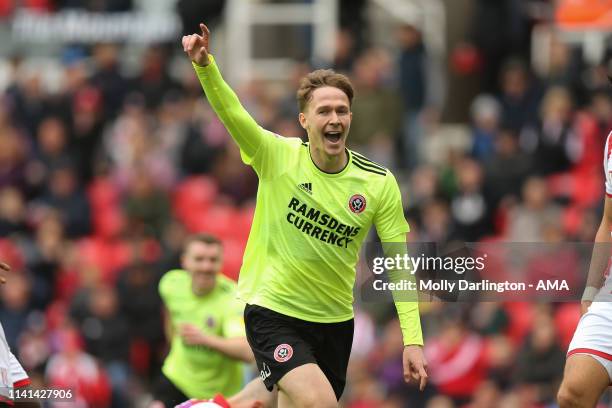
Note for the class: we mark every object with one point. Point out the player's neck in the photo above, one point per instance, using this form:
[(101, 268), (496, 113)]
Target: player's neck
[(202, 292), (329, 163)]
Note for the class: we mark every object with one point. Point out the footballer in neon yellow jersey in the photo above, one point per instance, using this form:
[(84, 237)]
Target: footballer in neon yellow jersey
[(205, 327), (315, 205)]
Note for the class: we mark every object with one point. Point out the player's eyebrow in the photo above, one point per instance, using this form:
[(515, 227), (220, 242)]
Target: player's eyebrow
[(331, 106)]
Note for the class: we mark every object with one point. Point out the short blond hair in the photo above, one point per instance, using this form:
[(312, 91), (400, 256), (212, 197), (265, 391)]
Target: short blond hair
[(319, 79)]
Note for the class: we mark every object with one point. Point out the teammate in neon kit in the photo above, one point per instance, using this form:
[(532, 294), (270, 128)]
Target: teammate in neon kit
[(205, 326), (315, 205), (588, 369)]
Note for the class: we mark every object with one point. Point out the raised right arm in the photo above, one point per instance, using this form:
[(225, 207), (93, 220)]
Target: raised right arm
[(225, 103), (239, 123)]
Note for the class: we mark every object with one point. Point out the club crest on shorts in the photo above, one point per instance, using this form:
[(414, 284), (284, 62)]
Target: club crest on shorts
[(283, 352), (357, 203)]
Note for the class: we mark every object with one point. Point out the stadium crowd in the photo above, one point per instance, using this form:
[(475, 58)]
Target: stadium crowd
[(103, 177)]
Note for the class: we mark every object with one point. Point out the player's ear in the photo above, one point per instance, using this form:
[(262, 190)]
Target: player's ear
[(302, 119)]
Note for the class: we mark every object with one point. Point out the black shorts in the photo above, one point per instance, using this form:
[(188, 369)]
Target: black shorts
[(281, 343), (165, 391)]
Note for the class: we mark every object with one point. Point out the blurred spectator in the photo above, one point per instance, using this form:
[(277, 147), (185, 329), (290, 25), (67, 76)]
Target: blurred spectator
[(12, 212), (374, 100), (519, 96), (387, 357), (52, 151), (87, 127), (553, 140), (457, 359), (344, 57), (499, 29), (564, 66), (154, 81), (45, 257), (133, 147), (507, 168), (541, 360), (65, 196), (417, 75), (423, 186), (12, 159), (109, 79), (470, 209), (26, 97), (140, 304), (72, 368), (501, 357), (527, 220), (105, 330), (15, 307), (34, 347), (486, 113), (146, 206), (436, 222), (489, 318), (487, 395), (601, 108)]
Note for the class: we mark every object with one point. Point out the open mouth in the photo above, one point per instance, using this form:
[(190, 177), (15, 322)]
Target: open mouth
[(333, 136)]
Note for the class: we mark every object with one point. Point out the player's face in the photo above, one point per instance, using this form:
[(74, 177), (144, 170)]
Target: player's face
[(203, 261), (327, 119)]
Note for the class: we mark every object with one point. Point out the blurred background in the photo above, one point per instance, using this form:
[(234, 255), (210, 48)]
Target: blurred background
[(493, 115)]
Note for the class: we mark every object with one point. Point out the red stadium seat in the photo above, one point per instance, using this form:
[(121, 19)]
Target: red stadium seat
[(219, 220), (193, 195), (102, 193), (566, 320), (108, 257), (521, 319), (108, 223)]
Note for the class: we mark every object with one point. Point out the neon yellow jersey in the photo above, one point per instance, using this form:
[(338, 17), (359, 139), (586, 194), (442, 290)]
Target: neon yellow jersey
[(309, 225), (200, 372)]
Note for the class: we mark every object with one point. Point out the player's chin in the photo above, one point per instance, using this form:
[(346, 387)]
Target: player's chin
[(334, 148)]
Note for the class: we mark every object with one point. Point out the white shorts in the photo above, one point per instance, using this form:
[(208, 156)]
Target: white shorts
[(593, 335)]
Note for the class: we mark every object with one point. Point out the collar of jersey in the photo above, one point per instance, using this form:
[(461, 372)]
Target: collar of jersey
[(328, 174)]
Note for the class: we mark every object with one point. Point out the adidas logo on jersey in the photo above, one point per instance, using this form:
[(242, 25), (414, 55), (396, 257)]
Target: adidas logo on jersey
[(307, 187)]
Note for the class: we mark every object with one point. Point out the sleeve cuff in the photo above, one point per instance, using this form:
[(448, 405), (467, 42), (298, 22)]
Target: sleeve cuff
[(204, 70)]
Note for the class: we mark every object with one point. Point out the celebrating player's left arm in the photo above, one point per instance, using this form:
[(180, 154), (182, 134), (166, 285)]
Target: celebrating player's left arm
[(392, 227), (234, 347), (414, 362)]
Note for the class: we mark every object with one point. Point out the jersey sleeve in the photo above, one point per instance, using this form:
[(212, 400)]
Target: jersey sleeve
[(607, 169), (392, 227), (18, 375), (389, 217), (406, 304), (258, 147)]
